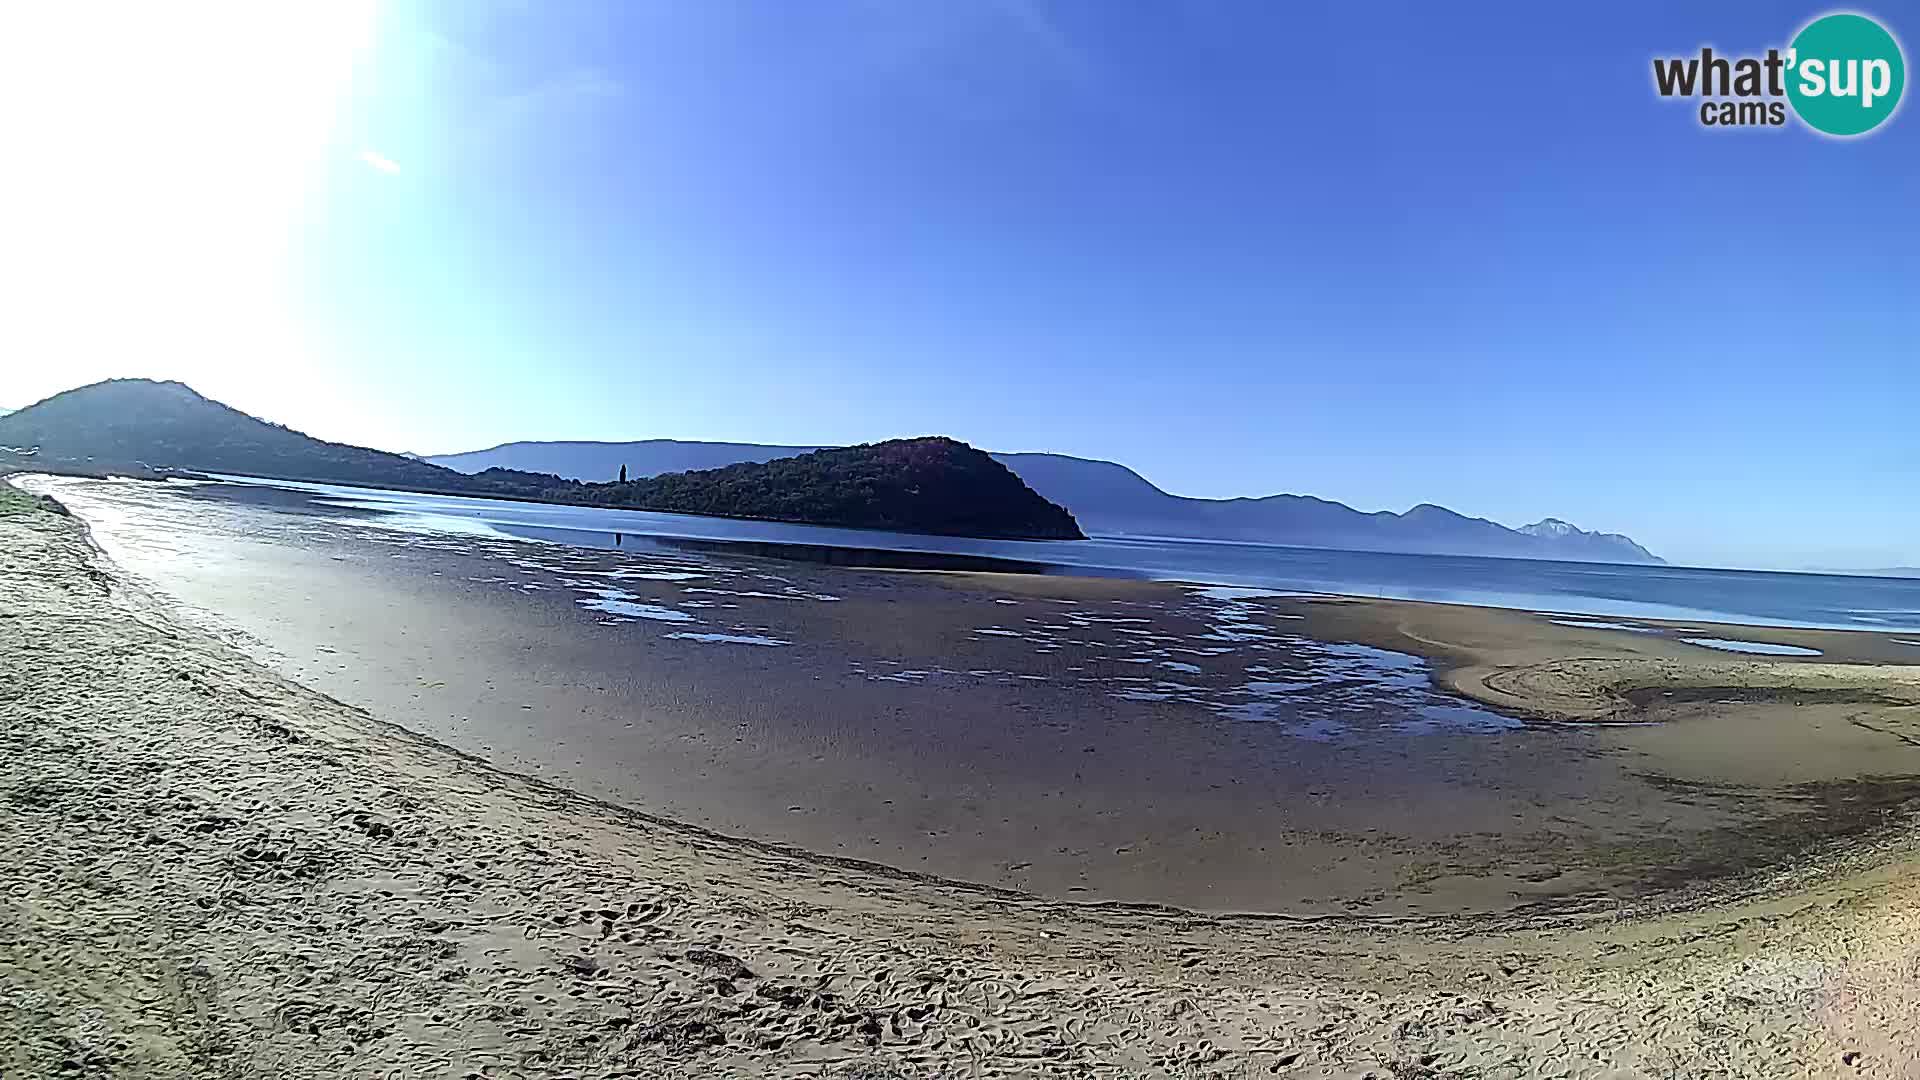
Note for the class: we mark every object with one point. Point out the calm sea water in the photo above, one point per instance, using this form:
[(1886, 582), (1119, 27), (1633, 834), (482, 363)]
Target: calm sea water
[(1663, 592)]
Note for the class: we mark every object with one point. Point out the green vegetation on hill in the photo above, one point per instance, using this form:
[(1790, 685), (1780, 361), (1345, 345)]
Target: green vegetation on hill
[(929, 485), (932, 485)]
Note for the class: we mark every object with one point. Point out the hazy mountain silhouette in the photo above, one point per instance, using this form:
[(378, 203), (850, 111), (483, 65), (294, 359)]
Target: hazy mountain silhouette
[(1109, 498), (929, 485), (131, 424)]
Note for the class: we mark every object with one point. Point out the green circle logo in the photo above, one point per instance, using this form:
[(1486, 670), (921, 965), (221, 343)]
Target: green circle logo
[(1845, 74)]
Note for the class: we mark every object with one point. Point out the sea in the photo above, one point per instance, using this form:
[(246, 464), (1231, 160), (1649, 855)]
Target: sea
[(1749, 597)]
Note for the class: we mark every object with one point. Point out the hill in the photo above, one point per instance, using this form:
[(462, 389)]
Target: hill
[(929, 485), (132, 424), (1106, 497)]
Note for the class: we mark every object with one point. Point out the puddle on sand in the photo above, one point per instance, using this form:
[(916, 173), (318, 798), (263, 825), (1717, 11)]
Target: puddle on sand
[(1596, 624), (789, 593), (620, 602), (1337, 690), (644, 575), (727, 639), (1236, 592), (1323, 691), (1764, 648), (1313, 689)]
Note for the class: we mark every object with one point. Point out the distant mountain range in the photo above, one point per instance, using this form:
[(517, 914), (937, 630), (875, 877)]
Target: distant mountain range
[(929, 485), (921, 485), (1112, 499)]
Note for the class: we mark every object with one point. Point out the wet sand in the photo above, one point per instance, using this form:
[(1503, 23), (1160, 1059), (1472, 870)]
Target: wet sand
[(215, 871), (1078, 739)]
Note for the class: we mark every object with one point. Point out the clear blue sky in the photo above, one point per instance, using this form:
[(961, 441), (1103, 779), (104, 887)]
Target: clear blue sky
[(1384, 253)]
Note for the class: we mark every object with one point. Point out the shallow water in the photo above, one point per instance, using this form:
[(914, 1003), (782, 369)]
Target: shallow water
[(727, 639), (1314, 690), (1601, 624), (1075, 739), (1766, 648), (1759, 598)]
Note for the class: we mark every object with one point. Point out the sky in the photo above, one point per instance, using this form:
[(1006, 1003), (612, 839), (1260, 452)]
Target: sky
[(1386, 253)]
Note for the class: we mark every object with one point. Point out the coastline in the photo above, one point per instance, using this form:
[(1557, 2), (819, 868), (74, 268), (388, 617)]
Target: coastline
[(1306, 569), (1079, 739), (272, 882)]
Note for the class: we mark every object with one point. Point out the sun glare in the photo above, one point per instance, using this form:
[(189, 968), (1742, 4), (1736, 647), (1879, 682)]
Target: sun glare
[(163, 155)]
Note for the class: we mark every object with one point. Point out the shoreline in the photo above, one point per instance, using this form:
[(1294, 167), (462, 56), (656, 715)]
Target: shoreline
[(869, 555), (337, 842), (1862, 853), (897, 754)]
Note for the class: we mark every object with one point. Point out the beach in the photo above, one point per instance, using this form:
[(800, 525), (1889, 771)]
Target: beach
[(1211, 749), (326, 812)]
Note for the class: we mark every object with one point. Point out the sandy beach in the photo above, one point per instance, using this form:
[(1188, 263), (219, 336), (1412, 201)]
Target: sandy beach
[(230, 856), (1221, 750)]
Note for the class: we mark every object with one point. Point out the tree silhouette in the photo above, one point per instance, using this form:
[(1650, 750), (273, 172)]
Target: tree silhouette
[(623, 474)]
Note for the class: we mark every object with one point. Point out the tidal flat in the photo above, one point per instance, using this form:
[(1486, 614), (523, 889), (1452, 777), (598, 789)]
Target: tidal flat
[(1086, 739)]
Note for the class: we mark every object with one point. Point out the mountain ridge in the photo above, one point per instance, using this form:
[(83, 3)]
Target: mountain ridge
[(1111, 498), (151, 424), (932, 485), (140, 423)]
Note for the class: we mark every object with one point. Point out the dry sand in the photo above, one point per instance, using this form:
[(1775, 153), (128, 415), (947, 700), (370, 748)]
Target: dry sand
[(213, 871)]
